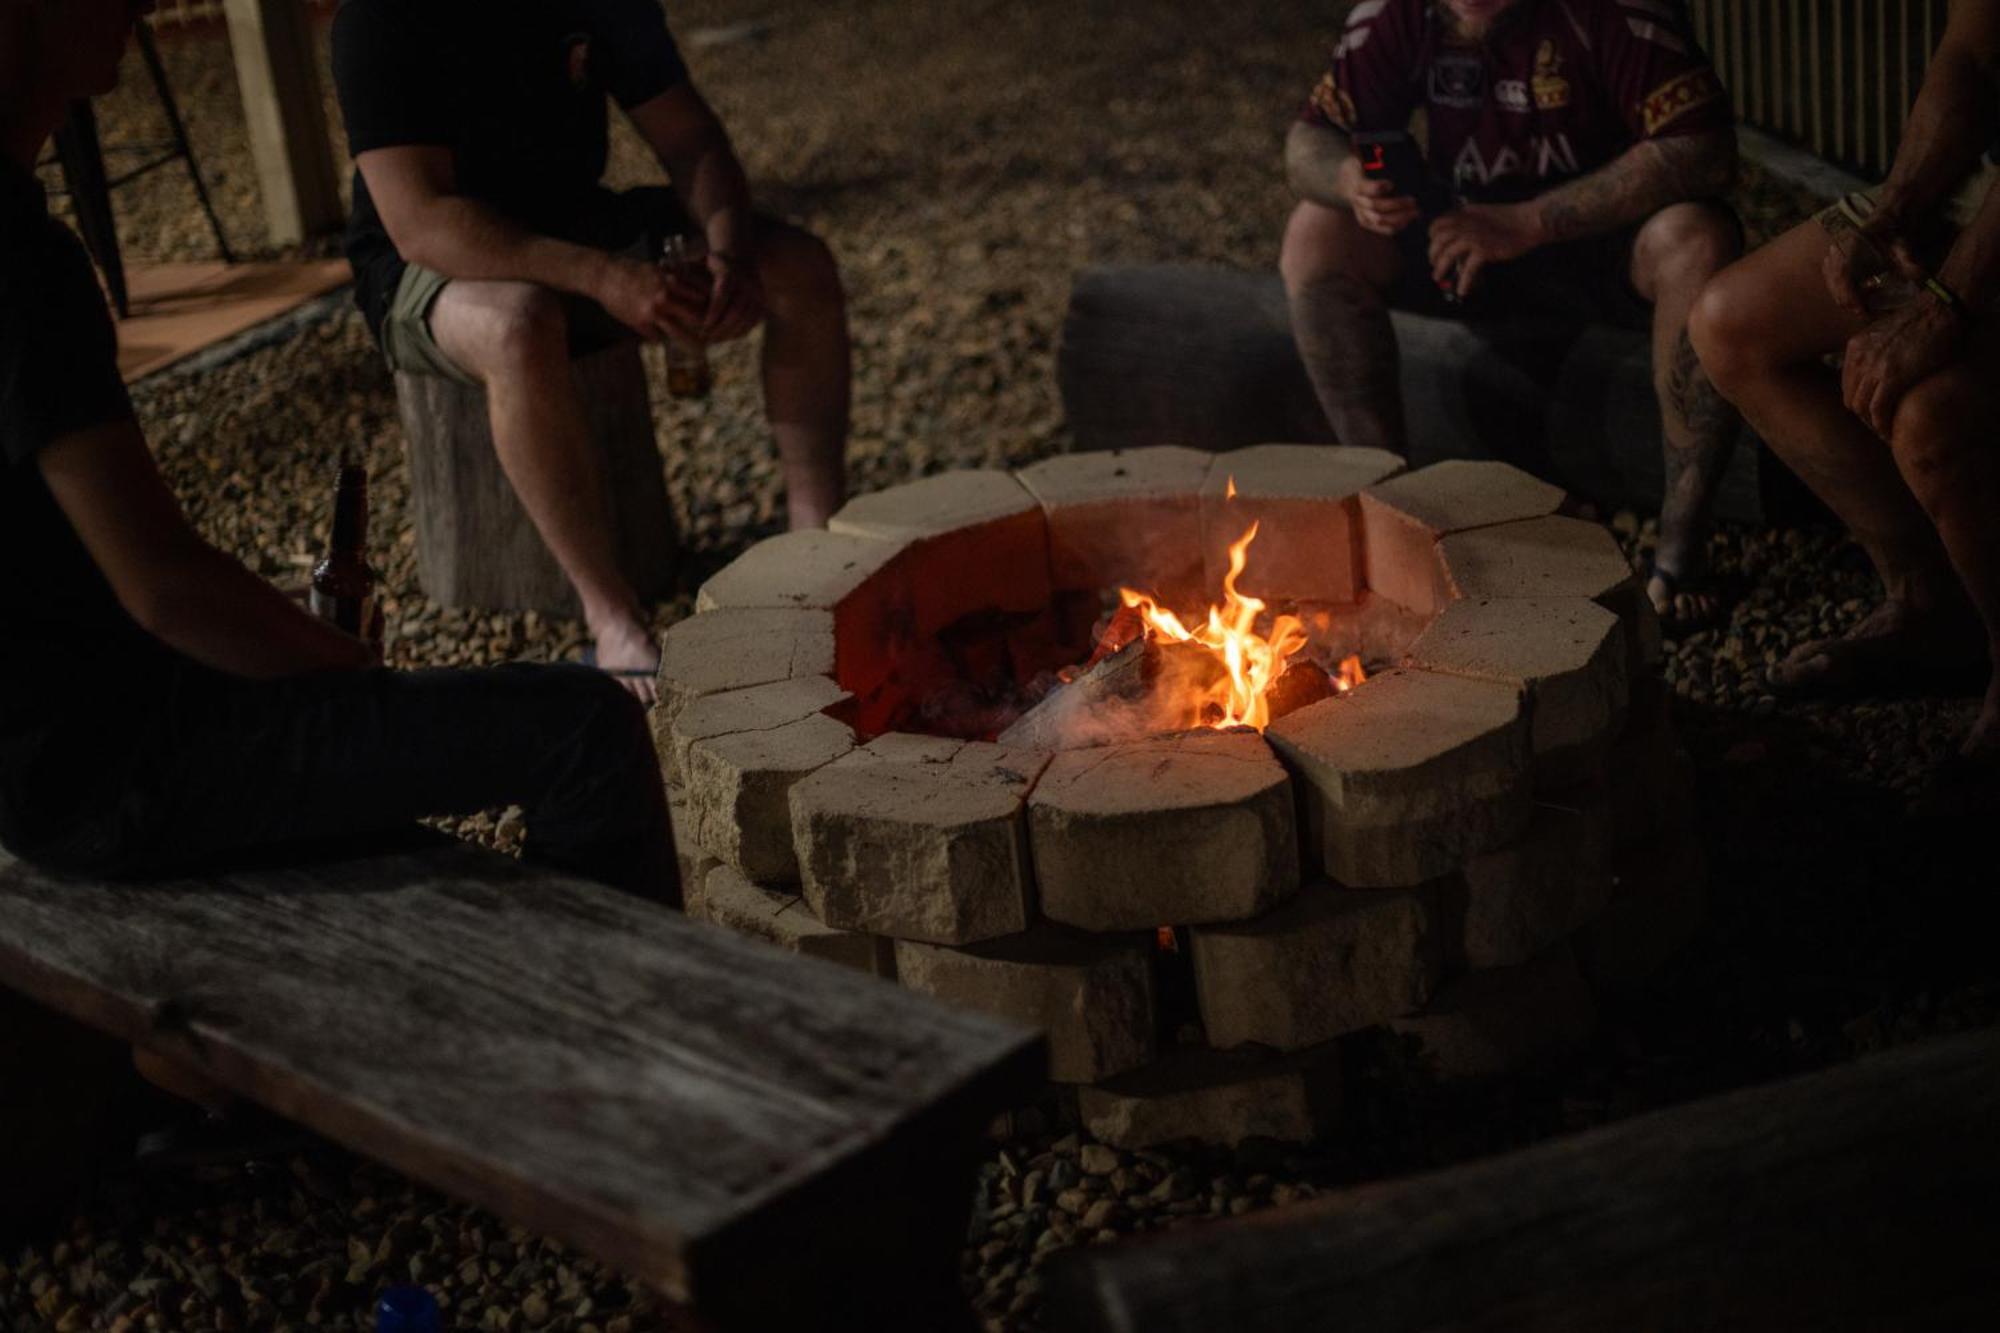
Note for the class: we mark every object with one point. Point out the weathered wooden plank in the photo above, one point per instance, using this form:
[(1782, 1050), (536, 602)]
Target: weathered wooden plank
[(285, 115), (690, 1105), (1858, 1198)]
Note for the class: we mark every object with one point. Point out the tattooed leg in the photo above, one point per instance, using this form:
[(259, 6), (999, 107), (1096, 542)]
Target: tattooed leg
[(1676, 254), (1335, 274)]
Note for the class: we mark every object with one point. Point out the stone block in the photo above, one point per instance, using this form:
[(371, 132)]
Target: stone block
[(1554, 557), (692, 860), (1514, 904), (1409, 775), (1303, 498), (1566, 655), (1504, 1018), (1329, 962), (759, 708), (1659, 902), (739, 791), (919, 838), (1183, 830), (1216, 1097), (975, 540), (732, 901), (1404, 518), (855, 578), (1129, 517), (733, 650), (1094, 998), (1374, 628)]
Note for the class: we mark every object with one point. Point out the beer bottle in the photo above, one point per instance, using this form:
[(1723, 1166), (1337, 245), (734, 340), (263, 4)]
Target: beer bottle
[(688, 374), (343, 586)]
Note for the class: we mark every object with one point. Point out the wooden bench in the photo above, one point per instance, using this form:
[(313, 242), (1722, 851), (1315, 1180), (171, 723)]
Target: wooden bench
[(779, 1142), (475, 544), (1857, 1198), (1203, 356)]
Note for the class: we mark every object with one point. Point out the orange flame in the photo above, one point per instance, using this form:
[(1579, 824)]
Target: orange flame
[(1254, 662)]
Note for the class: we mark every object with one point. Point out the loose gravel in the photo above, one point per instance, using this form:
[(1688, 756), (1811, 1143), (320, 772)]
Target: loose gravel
[(964, 158)]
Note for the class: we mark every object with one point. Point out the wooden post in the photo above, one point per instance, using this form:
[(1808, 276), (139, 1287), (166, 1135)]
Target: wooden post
[(278, 71)]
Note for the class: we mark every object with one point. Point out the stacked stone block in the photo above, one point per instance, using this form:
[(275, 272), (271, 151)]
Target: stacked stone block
[(1459, 850)]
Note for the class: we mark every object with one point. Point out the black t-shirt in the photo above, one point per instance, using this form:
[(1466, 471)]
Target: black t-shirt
[(73, 664), (515, 88)]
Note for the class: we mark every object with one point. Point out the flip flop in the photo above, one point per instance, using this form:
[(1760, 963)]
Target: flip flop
[(1677, 586)]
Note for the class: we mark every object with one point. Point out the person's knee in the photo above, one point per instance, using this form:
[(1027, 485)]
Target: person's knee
[(527, 325), (1687, 244), (1724, 325), (798, 270), (1319, 242), (1929, 432)]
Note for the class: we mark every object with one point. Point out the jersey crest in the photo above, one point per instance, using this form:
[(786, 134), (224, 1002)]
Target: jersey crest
[(1551, 88)]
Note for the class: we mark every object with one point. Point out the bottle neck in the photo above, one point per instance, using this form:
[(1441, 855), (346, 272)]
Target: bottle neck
[(350, 510)]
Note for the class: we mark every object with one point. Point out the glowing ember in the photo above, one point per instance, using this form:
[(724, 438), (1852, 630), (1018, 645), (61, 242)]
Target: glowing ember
[(1253, 662)]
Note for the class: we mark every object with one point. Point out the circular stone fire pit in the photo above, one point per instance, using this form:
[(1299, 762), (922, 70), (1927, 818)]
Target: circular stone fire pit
[(1458, 848)]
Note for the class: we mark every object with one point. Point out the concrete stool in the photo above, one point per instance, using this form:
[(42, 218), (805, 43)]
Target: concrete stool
[(475, 544)]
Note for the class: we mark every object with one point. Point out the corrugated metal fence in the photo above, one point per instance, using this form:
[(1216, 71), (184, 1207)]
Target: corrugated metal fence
[(187, 13), (1834, 76)]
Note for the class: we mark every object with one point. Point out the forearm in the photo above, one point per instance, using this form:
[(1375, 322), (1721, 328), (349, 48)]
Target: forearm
[(464, 239), (1954, 118), (208, 607), (1314, 159), (716, 192), (1972, 269), (1649, 176)]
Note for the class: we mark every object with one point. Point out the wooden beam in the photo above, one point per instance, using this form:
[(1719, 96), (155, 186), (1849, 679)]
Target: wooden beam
[(782, 1142), (1857, 1198), (277, 68)]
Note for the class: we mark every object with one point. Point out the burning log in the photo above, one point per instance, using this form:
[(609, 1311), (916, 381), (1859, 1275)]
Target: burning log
[(1147, 688), (1304, 683)]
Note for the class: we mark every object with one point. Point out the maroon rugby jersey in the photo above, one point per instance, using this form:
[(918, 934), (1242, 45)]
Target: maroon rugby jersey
[(1558, 88)]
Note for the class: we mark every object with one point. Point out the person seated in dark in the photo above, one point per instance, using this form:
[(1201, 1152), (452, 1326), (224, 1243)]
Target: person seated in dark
[(161, 707), (1583, 146), (485, 249), (1899, 440)]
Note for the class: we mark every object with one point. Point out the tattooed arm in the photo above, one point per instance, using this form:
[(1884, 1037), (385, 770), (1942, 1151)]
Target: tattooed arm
[(1955, 116), (1322, 168), (1639, 183)]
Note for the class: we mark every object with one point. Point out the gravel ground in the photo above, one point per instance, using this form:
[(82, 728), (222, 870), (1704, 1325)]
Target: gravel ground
[(963, 158)]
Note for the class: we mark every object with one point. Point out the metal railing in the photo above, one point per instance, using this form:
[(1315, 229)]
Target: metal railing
[(1835, 76)]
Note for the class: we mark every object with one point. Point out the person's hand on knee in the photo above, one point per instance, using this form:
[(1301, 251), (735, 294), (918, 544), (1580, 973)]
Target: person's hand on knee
[(736, 302), (649, 302), (1894, 354)]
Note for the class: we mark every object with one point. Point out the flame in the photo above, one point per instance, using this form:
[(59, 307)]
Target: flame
[(1349, 675), (1232, 489), (1167, 940), (1253, 661)]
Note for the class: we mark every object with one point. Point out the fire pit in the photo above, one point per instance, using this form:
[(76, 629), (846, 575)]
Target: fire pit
[(1200, 762)]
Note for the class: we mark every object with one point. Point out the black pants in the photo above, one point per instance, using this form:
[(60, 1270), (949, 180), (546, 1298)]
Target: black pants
[(230, 768)]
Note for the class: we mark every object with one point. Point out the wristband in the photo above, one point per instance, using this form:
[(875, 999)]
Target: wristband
[(1946, 295)]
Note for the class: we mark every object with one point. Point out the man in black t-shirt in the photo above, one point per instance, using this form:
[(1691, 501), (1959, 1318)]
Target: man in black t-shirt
[(160, 705), (485, 249)]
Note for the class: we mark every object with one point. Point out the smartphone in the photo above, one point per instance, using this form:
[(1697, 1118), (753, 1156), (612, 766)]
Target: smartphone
[(1392, 155)]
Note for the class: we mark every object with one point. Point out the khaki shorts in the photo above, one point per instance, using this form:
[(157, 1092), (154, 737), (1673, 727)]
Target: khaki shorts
[(630, 223), (406, 332)]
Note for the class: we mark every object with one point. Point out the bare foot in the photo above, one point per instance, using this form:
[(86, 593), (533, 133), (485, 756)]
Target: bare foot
[(1683, 603), (1894, 650), (627, 653)]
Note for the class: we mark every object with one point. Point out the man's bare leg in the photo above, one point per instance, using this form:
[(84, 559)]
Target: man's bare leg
[(808, 369), (1676, 252), (1336, 275), (1943, 445), (1761, 329), (514, 338)]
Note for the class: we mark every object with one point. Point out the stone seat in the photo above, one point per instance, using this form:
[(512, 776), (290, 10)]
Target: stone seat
[(1204, 357)]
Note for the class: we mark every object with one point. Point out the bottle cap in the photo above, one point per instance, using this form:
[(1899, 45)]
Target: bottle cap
[(406, 1310)]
